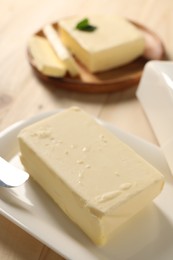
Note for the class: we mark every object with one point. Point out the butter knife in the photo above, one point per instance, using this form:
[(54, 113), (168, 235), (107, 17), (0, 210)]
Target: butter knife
[(11, 176)]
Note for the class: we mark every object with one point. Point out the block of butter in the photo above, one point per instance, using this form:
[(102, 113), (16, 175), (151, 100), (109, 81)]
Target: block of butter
[(96, 179), (114, 43), (61, 51), (44, 57)]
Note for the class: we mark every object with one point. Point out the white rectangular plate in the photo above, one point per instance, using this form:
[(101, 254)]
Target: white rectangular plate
[(148, 235)]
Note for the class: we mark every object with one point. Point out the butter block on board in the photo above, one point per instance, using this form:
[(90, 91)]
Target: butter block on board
[(61, 51), (115, 42), (44, 57), (96, 179)]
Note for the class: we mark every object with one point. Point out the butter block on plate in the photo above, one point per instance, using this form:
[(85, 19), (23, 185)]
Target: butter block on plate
[(96, 179), (114, 43), (44, 57)]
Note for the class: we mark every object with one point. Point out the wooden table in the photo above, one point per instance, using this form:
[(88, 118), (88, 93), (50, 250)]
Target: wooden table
[(22, 95)]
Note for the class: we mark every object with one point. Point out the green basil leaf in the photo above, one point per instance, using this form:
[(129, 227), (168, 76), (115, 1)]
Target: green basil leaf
[(85, 26)]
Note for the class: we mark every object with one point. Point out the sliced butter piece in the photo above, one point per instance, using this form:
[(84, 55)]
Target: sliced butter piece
[(44, 57), (114, 43), (60, 50), (97, 180)]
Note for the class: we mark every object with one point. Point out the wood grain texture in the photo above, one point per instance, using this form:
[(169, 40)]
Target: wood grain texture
[(22, 95)]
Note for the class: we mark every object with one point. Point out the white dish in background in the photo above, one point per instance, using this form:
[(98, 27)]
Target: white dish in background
[(148, 235), (155, 93)]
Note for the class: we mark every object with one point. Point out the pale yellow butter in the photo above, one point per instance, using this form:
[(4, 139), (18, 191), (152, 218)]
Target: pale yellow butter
[(96, 179), (61, 51), (115, 42), (44, 57)]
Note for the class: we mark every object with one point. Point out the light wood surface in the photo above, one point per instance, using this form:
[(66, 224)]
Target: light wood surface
[(22, 95)]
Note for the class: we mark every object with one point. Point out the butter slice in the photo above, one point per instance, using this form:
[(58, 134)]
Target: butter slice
[(96, 179), (44, 57), (61, 51), (114, 43)]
